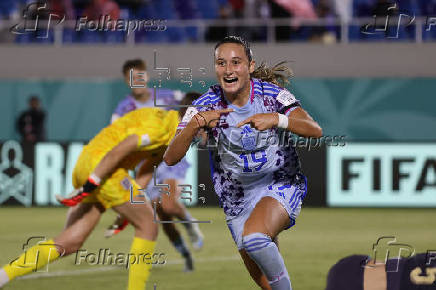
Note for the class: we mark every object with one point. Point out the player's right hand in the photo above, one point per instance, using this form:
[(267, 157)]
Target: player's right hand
[(209, 119), (74, 198)]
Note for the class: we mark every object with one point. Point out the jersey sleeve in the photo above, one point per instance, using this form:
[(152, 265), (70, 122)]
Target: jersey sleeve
[(201, 104), (189, 114), (286, 102)]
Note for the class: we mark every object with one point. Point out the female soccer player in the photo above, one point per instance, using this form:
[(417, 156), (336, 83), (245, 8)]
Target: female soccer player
[(102, 169), (259, 184)]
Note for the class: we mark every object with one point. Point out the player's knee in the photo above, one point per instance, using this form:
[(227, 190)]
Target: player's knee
[(70, 247), (255, 241)]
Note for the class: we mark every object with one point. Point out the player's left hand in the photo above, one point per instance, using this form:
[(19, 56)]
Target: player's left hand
[(75, 197), (261, 121)]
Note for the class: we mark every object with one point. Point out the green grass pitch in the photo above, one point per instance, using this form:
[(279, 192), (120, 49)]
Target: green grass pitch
[(320, 238)]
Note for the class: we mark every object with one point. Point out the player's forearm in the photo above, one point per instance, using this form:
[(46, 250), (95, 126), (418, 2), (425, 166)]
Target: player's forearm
[(180, 144), (111, 160), (304, 127)]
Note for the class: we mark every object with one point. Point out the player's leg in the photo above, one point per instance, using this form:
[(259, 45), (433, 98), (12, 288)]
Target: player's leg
[(144, 241), (265, 222), (255, 273), (81, 223), (175, 238), (172, 206)]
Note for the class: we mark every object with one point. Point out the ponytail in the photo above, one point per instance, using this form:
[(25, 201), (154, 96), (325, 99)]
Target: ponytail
[(278, 74)]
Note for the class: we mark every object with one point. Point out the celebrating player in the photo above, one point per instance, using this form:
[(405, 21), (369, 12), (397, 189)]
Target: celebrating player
[(259, 185), (102, 181), (169, 207)]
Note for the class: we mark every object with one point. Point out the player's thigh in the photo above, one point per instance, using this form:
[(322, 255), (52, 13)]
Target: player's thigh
[(254, 270), (141, 216), (268, 217), (174, 190)]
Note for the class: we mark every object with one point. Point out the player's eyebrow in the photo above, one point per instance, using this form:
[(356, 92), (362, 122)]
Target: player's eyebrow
[(235, 57)]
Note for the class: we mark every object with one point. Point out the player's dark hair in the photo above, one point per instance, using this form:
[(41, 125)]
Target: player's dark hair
[(187, 100), (279, 74), (237, 40), (135, 64)]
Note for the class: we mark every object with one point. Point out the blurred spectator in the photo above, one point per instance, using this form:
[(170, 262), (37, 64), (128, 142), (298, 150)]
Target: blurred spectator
[(385, 7), (291, 8), (97, 8), (282, 33), (324, 33), (237, 8), (344, 9), (61, 8), (8, 11), (298, 8), (30, 124), (106, 11), (218, 32)]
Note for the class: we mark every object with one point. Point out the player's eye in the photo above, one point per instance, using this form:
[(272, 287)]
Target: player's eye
[(235, 62), (220, 63)]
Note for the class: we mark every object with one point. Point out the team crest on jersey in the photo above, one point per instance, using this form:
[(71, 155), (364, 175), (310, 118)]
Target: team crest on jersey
[(248, 138)]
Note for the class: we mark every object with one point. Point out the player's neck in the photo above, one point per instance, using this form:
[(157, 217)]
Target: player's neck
[(241, 98)]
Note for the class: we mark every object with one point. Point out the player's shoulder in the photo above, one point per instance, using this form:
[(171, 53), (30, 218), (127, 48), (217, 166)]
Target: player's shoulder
[(266, 88), (125, 105), (281, 95), (212, 96)]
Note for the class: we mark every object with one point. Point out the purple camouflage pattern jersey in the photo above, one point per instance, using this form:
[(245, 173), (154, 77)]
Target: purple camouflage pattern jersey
[(244, 160)]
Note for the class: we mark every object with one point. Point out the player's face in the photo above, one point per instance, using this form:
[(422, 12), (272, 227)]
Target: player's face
[(233, 69), (137, 81)]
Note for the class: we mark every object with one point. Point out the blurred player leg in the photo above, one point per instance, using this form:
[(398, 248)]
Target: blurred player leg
[(82, 221), (176, 238), (144, 241), (267, 220), (172, 206)]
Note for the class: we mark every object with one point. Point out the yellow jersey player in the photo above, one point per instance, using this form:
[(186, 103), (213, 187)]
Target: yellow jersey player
[(102, 169)]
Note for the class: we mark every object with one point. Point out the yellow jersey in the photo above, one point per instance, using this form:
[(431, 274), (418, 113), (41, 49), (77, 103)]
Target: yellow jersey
[(154, 127)]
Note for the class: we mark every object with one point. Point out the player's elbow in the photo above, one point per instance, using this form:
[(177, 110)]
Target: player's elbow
[(168, 159), (317, 131)]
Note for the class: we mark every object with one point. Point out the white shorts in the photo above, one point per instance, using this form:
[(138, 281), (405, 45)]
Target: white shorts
[(289, 196)]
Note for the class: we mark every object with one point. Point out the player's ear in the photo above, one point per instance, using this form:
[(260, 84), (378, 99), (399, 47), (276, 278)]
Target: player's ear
[(251, 66)]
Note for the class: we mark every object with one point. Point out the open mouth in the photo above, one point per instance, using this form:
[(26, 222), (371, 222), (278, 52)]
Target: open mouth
[(230, 80)]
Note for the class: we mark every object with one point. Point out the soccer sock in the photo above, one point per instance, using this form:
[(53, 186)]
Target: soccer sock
[(33, 259), (139, 270), (265, 253), (188, 217), (181, 247)]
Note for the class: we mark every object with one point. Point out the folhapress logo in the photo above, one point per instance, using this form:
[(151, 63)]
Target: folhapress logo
[(37, 19)]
